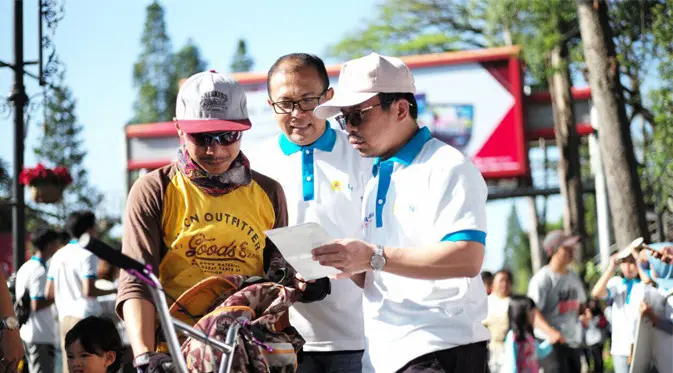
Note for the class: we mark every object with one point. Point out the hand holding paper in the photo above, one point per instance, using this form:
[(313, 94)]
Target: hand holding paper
[(296, 244)]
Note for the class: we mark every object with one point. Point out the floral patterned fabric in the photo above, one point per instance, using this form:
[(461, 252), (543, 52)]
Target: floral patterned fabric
[(259, 348)]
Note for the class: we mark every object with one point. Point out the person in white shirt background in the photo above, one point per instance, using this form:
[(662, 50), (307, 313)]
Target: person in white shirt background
[(71, 278), (626, 292), (424, 217), (39, 333), (323, 178), (497, 321)]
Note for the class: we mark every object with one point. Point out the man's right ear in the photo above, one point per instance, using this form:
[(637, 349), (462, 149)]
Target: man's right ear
[(329, 94), (177, 126)]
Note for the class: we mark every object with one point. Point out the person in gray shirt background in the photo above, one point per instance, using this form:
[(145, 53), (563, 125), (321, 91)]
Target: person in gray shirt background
[(559, 295)]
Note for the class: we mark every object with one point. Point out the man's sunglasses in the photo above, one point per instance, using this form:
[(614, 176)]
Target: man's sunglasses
[(223, 138), (355, 117)]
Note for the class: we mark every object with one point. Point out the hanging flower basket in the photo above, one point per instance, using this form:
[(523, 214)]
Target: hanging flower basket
[(46, 184)]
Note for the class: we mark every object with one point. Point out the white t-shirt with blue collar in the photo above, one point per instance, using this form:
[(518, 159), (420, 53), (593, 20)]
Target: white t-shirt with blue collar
[(323, 183), (41, 326), (428, 192)]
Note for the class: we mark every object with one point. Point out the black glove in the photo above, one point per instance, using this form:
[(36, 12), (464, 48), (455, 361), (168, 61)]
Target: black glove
[(154, 362), (316, 291)]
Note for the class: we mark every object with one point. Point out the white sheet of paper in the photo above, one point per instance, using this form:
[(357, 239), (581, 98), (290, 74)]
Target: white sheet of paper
[(296, 243)]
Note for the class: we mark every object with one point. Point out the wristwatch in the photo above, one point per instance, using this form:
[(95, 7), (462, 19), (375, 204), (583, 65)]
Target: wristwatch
[(142, 360), (378, 261), (10, 323)]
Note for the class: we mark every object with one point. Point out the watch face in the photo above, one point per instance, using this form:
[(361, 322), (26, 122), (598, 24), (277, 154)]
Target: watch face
[(12, 323), (377, 262)]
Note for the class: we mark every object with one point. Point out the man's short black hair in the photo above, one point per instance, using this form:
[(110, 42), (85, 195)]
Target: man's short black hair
[(43, 237), (507, 273), (487, 277), (80, 222), (387, 100), (296, 61)]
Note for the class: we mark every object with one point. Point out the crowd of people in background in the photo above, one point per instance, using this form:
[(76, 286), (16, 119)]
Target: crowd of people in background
[(556, 326), (67, 298)]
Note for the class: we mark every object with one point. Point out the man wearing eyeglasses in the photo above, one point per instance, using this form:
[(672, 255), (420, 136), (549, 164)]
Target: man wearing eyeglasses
[(204, 214), (323, 178), (425, 225)]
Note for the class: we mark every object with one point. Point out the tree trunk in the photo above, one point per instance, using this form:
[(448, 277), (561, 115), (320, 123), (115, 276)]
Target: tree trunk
[(567, 142), (534, 236), (624, 191)]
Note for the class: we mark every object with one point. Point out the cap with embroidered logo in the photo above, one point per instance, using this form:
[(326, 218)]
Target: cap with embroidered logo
[(211, 102)]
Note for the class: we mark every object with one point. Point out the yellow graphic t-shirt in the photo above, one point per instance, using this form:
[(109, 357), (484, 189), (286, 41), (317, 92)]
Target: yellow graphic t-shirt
[(200, 234)]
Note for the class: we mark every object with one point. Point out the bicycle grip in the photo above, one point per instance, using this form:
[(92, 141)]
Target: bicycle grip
[(109, 254)]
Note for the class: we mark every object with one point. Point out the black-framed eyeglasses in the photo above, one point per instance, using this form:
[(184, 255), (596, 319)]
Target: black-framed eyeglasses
[(305, 104), (222, 138)]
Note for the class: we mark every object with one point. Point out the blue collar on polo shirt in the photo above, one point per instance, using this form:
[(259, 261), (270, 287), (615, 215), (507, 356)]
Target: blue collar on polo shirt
[(324, 143), (39, 260), (384, 169), (629, 282)]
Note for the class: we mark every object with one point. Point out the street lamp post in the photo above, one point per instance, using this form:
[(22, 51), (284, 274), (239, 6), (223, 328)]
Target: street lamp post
[(19, 99)]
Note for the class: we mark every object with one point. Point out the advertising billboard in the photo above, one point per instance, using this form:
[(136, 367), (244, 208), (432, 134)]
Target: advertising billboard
[(472, 100)]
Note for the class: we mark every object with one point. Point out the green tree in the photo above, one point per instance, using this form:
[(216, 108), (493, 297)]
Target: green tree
[(241, 62), (517, 252), (152, 70), (5, 196), (186, 63), (658, 167), (61, 145)]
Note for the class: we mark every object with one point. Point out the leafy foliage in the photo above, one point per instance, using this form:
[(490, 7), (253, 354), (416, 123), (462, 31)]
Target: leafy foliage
[(517, 252), (185, 63), (241, 61), (152, 70), (61, 144), (658, 180)]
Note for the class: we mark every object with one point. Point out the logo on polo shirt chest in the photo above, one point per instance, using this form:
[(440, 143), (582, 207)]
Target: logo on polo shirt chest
[(336, 185), (368, 220)]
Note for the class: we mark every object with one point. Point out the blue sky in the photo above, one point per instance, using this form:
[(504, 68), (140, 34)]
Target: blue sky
[(100, 41)]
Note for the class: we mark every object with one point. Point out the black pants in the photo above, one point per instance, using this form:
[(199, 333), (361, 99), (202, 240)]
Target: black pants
[(472, 358), (330, 362), (563, 359), (594, 356)]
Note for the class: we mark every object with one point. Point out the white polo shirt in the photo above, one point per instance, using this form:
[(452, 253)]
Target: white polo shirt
[(41, 325), (68, 268), (626, 296), (323, 183), (428, 192)]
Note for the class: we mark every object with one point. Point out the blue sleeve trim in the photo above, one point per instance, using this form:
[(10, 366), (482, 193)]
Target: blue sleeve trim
[(38, 298), (50, 278), (466, 235), (90, 276)]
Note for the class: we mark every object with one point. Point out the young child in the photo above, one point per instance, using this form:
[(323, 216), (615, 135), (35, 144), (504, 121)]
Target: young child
[(595, 333), (522, 351), (626, 293), (93, 345)]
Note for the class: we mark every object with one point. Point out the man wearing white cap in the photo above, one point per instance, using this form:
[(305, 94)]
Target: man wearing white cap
[(424, 219), (204, 214)]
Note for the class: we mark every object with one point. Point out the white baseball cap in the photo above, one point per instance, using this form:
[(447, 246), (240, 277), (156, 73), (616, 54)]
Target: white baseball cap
[(363, 78), (211, 102)]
